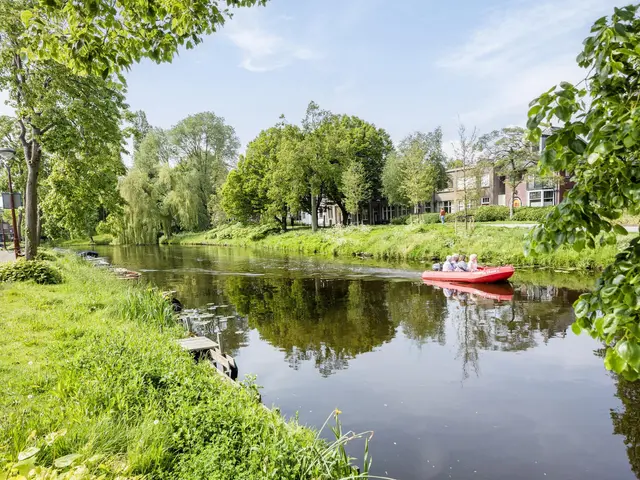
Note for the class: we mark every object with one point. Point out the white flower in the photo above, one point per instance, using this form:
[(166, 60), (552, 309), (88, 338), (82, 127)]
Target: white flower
[(155, 422)]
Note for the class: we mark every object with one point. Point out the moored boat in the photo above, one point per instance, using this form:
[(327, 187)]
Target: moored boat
[(482, 275)]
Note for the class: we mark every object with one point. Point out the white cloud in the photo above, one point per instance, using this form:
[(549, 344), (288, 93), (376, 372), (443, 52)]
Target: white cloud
[(521, 51), (263, 50)]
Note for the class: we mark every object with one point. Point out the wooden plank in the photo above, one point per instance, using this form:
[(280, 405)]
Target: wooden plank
[(197, 344), (220, 359)]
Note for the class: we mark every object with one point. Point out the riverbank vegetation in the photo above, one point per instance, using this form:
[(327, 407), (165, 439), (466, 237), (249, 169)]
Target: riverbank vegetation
[(414, 242), (94, 383)]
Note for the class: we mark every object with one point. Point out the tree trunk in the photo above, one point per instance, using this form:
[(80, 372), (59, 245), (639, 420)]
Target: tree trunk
[(344, 212), (39, 227), (20, 219), (513, 199), (314, 213), (32, 154)]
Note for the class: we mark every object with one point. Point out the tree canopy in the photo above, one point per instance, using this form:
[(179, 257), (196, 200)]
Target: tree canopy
[(596, 143)]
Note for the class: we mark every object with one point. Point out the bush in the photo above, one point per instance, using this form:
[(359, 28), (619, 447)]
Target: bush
[(531, 214), (36, 270), (491, 213), (403, 220), (429, 218), (46, 256)]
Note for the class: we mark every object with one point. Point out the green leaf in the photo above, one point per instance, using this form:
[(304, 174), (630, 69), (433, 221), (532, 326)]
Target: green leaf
[(67, 460), (534, 110), (577, 146), (593, 158), (629, 141), (575, 328), (620, 230), (26, 16), (579, 245), (28, 453), (563, 113)]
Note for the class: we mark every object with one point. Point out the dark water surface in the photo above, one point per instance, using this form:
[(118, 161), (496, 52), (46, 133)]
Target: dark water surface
[(455, 385)]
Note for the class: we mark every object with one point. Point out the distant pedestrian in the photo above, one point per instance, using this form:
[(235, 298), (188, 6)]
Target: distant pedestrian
[(447, 266), (442, 214)]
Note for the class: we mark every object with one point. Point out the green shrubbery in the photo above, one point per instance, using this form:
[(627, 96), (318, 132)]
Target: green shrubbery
[(531, 214), (38, 271)]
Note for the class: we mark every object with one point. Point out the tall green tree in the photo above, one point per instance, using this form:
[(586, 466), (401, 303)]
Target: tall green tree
[(596, 143), (56, 111), (355, 188), (422, 163), (512, 155), (392, 180), (204, 147)]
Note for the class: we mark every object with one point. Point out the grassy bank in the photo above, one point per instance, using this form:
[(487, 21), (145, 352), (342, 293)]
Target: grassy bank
[(104, 239), (493, 245), (92, 380)]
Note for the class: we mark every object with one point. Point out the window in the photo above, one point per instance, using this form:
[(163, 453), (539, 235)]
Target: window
[(446, 205), (485, 201), (469, 181), (537, 183), (542, 198), (460, 206)]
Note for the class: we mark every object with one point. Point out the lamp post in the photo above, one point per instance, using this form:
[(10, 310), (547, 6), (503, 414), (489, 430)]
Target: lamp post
[(7, 154)]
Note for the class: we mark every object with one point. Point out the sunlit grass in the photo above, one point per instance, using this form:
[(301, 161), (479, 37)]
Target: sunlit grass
[(90, 368)]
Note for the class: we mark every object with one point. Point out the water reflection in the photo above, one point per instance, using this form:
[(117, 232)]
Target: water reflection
[(471, 381)]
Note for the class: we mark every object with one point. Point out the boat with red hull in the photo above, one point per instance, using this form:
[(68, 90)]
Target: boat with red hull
[(502, 292), (482, 275)]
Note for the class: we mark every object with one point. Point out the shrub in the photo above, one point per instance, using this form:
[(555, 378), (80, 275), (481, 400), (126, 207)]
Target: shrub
[(46, 256), (37, 270), (531, 214), (262, 231), (491, 213), (429, 218), (403, 220)]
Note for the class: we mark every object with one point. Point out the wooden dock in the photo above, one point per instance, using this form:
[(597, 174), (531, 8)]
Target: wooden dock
[(205, 348)]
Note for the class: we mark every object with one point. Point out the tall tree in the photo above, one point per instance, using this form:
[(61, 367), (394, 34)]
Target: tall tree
[(466, 152), (56, 111), (512, 155), (597, 144), (63, 38), (355, 187), (422, 160), (205, 147), (392, 180)]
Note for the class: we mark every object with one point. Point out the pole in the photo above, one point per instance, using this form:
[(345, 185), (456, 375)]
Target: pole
[(16, 241)]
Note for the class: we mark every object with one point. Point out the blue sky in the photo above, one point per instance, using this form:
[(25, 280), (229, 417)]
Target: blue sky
[(404, 65)]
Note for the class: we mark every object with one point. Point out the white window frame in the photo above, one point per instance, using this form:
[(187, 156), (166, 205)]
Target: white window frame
[(488, 201), (541, 202)]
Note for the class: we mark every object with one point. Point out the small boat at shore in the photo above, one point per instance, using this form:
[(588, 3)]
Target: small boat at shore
[(502, 292), (482, 275)]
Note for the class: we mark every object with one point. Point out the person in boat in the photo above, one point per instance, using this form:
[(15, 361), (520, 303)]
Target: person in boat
[(473, 263), (461, 265), (447, 266)]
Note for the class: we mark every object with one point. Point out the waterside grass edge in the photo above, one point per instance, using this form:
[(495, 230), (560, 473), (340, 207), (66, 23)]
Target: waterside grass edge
[(95, 384)]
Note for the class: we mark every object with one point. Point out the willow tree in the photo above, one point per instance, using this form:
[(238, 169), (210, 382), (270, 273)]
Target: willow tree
[(71, 47), (205, 147), (596, 143)]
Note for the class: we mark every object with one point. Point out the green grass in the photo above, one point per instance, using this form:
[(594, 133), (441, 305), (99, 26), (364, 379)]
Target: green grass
[(104, 239), (417, 242), (91, 368)]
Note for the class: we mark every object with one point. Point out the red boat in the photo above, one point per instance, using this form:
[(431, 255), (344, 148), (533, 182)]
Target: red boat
[(483, 275), (494, 291)]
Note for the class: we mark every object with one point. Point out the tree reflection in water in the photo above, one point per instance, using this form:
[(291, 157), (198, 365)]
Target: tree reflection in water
[(626, 420), (331, 321)]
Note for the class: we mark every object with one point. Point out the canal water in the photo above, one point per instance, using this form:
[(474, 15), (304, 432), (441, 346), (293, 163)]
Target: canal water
[(465, 385)]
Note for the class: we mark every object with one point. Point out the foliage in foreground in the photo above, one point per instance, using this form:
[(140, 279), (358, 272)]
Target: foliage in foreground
[(39, 271), (91, 383), (597, 143)]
